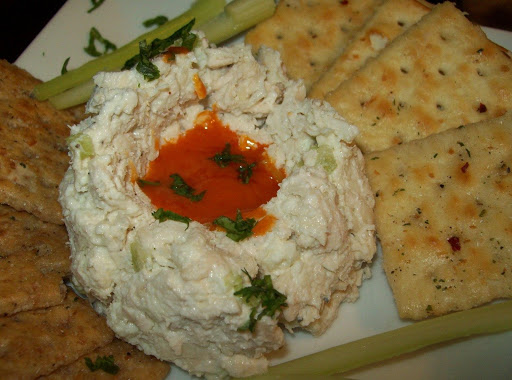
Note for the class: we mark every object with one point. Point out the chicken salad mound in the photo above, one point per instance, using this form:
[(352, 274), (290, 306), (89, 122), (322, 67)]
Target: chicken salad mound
[(179, 289)]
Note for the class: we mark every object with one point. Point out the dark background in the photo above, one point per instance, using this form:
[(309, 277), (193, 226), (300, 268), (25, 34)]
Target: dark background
[(23, 20)]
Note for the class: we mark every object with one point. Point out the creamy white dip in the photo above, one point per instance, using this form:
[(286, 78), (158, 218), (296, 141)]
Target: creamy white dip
[(179, 305)]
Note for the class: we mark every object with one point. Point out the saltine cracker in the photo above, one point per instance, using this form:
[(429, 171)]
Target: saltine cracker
[(444, 218), (441, 73), (390, 19), (310, 34)]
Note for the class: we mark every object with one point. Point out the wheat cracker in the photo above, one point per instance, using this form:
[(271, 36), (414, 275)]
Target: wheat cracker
[(133, 364), (33, 148), (35, 343)]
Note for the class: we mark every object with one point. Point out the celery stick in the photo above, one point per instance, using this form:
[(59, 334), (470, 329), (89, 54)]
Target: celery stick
[(238, 16), (202, 11), (483, 320), (76, 95)]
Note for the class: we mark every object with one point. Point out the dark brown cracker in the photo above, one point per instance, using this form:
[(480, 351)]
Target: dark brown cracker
[(133, 364), (444, 218), (441, 73), (33, 153), (22, 233), (24, 287), (34, 257), (35, 343), (310, 34), (389, 20)]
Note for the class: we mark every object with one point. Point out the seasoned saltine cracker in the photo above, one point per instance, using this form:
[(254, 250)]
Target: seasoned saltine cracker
[(35, 343), (133, 364), (390, 19), (444, 218), (310, 34), (441, 73), (33, 149), (34, 257)]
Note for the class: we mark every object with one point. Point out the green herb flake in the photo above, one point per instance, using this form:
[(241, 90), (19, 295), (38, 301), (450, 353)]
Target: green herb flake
[(262, 296), (143, 182), (180, 187), (224, 158), (398, 191), (155, 21), (142, 61), (94, 35), (64, 68), (245, 172), (375, 158), (95, 5), (104, 363), (162, 215), (237, 229), (482, 213)]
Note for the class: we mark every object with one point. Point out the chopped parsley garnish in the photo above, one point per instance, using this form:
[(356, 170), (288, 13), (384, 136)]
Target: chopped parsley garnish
[(245, 172), (95, 5), (143, 182), (262, 292), (64, 68), (162, 215), (237, 229), (142, 61), (225, 157), (94, 35), (155, 21), (104, 363), (180, 187)]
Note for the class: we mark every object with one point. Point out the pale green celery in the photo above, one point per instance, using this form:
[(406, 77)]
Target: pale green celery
[(83, 143), (325, 158), (76, 95), (237, 17), (75, 87), (245, 11), (483, 320), (139, 256), (234, 281), (202, 11)]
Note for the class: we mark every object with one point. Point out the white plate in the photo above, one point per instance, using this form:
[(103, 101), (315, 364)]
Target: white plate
[(120, 21)]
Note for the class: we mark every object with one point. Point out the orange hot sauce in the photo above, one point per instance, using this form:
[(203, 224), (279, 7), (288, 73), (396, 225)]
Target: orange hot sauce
[(190, 157)]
